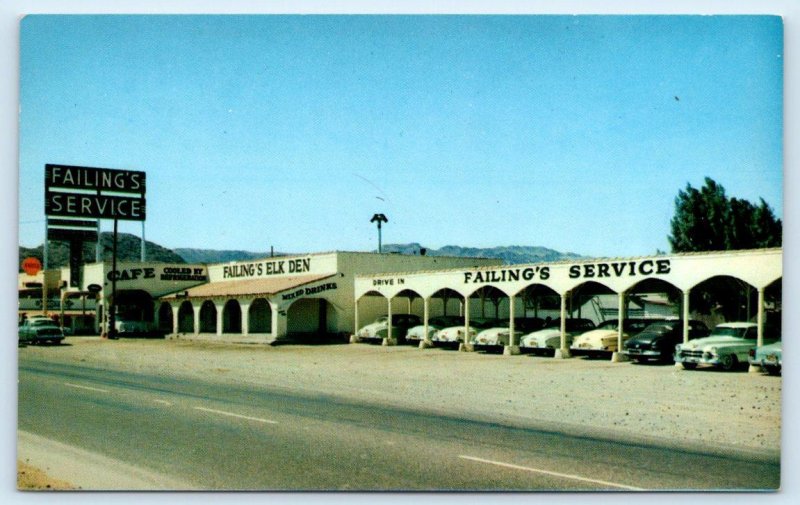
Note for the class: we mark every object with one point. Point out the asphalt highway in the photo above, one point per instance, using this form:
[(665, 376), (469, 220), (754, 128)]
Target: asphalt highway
[(233, 436)]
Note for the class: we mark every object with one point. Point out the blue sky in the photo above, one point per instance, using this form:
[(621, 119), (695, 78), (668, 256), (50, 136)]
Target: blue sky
[(569, 132)]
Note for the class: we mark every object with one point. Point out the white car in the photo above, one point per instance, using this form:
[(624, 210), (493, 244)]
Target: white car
[(500, 334), (768, 357), (380, 327), (726, 347), (455, 334), (548, 339), (434, 324), (604, 339)]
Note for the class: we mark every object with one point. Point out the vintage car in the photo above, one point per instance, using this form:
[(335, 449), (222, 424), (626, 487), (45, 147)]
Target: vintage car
[(658, 340), (548, 339), (401, 323), (130, 328), (434, 324), (40, 331), (727, 347), (499, 335), (455, 334), (768, 357), (603, 339)]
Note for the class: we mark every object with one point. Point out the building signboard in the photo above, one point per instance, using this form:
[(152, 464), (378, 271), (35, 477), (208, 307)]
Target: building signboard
[(126, 208), (94, 179), (77, 192)]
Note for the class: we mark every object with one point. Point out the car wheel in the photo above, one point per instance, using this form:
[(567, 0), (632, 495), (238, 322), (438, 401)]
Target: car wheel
[(689, 366), (728, 362), (773, 370)]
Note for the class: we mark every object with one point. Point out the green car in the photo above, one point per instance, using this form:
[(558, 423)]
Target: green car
[(40, 331)]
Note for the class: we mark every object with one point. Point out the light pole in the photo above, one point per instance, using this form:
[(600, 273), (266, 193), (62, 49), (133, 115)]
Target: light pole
[(379, 218)]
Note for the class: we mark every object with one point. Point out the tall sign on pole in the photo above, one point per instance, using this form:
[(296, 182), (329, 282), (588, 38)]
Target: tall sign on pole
[(77, 198), (379, 218)]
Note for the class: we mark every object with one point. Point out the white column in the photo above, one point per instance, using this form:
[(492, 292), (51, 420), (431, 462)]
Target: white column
[(220, 309), (355, 322), (354, 336), (563, 351), (175, 310), (760, 329), (196, 309), (245, 306), (389, 340), (279, 321), (466, 345), (685, 316), (760, 317), (512, 348), (426, 340), (617, 356)]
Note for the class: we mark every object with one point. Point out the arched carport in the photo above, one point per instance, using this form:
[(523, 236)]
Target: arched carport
[(134, 305), (165, 322), (186, 317), (259, 316), (232, 317), (311, 318), (575, 281), (208, 317)]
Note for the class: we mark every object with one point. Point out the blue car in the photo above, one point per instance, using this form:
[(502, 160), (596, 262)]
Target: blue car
[(768, 357)]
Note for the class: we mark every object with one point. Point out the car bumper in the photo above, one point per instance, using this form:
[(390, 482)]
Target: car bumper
[(643, 353), (698, 360), (590, 349), (769, 361), (444, 339)]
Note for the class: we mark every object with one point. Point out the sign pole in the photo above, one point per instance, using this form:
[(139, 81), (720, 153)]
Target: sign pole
[(44, 269), (112, 318)]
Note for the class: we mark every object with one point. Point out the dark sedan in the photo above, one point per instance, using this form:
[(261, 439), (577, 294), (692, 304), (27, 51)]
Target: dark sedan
[(658, 340)]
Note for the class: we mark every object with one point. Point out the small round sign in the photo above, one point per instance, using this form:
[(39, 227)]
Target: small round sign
[(31, 265), (94, 288)]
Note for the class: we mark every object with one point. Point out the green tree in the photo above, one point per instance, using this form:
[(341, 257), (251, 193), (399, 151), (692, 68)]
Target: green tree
[(707, 220)]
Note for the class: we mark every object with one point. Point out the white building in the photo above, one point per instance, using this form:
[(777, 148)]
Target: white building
[(511, 290)]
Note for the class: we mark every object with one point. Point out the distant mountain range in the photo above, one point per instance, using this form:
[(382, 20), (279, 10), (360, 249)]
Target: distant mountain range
[(509, 254), (128, 249), (216, 256)]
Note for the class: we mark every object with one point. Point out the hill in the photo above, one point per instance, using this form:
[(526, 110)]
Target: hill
[(128, 249), (215, 256), (509, 254)]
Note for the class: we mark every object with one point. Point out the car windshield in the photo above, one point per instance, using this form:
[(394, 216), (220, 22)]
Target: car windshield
[(446, 321), (486, 323), (382, 319), (611, 324), (579, 325), (660, 328), (42, 322), (728, 331)]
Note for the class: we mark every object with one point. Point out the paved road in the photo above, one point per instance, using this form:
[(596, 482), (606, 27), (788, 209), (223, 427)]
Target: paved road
[(240, 437)]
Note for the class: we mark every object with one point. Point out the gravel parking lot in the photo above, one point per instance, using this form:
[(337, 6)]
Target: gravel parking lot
[(623, 401)]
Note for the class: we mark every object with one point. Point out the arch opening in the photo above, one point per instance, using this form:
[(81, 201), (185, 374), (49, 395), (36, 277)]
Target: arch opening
[(186, 318), (259, 316), (165, 322), (208, 317), (232, 317)]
